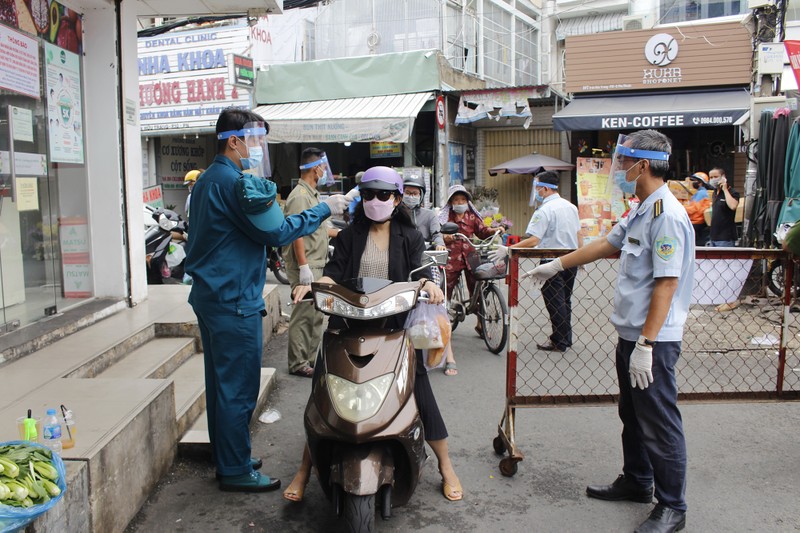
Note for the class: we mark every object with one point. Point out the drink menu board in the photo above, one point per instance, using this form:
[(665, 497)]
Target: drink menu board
[(600, 204)]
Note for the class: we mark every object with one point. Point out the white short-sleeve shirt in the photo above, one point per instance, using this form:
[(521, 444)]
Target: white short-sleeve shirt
[(555, 223), (656, 240)]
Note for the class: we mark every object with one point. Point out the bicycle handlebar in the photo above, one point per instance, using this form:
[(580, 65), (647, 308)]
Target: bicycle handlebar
[(485, 243)]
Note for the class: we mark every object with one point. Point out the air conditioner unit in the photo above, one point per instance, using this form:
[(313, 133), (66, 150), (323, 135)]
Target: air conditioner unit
[(637, 22), (755, 4)]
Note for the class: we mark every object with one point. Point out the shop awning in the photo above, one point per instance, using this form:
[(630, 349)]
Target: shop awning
[(369, 119), (720, 108), (589, 24)]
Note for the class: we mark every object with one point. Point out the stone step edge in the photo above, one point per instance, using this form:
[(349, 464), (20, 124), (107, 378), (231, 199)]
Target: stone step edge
[(197, 434)]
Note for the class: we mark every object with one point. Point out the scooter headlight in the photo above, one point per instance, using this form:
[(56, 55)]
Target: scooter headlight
[(333, 305), (356, 402)]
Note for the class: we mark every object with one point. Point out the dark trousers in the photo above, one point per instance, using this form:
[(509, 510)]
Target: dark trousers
[(232, 348), (557, 293), (653, 445)]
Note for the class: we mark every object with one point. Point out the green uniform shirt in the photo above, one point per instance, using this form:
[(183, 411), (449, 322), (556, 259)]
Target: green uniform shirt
[(303, 197)]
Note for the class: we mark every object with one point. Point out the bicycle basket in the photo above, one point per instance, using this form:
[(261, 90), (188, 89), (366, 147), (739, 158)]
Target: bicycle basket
[(491, 270)]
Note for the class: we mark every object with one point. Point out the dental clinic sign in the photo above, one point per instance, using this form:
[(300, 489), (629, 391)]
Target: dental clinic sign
[(670, 57), (184, 78)]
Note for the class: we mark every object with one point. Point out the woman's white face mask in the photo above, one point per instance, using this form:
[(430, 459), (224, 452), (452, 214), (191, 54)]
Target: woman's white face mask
[(460, 208)]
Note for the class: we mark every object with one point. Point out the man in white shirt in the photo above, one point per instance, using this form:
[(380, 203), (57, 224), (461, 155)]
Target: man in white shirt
[(554, 225)]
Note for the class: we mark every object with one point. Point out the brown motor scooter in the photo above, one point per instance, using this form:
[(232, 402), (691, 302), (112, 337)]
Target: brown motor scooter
[(364, 431)]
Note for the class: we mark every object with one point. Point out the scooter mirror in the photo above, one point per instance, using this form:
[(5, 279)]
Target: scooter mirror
[(449, 228)]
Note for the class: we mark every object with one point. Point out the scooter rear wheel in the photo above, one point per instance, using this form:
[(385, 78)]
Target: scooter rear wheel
[(359, 513)]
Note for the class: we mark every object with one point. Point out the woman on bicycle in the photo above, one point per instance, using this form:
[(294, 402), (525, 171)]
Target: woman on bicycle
[(382, 242), (459, 209)]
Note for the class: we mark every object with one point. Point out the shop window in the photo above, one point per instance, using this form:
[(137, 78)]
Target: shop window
[(686, 10)]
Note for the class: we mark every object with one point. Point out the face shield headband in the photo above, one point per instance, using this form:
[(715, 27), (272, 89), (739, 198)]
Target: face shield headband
[(254, 135), (327, 178)]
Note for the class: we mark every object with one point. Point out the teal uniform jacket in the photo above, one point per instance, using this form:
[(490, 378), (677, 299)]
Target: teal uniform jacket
[(226, 256)]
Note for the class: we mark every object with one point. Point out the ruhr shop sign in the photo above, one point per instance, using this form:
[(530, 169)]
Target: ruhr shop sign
[(670, 57), (184, 78)]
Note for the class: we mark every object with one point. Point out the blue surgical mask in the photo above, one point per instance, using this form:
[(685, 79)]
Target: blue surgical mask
[(255, 155), (628, 187), (538, 197)]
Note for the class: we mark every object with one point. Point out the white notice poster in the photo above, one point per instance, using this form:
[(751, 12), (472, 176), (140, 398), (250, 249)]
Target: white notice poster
[(19, 62), (64, 111)]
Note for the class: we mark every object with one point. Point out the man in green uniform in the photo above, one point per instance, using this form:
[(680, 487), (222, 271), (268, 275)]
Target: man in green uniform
[(305, 259)]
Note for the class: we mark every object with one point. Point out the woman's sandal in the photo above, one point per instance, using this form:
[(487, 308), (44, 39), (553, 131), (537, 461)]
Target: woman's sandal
[(454, 493), (294, 494), (450, 369)]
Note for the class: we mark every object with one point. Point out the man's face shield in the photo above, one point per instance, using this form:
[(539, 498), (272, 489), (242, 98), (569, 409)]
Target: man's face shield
[(536, 195), (624, 159), (327, 176), (255, 155)]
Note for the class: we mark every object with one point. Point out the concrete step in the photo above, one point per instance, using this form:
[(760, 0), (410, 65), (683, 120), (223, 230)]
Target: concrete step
[(125, 436), (190, 392), (197, 435), (156, 359)]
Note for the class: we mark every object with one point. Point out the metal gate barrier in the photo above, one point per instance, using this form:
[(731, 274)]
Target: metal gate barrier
[(739, 341)]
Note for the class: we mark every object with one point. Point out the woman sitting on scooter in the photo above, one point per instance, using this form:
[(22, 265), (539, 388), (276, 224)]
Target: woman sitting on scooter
[(382, 242)]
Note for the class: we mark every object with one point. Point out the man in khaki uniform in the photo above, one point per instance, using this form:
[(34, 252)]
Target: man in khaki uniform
[(305, 259)]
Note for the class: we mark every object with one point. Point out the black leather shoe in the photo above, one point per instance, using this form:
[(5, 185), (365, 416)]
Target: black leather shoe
[(550, 347), (622, 489), (662, 520)]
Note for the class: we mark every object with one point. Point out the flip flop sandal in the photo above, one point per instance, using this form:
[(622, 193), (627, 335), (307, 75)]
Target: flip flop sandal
[(450, 369), (448, 490), (294, 494), (304, 372)]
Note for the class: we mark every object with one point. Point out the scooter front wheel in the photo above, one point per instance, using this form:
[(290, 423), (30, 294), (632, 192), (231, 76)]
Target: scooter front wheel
[(359, 513)]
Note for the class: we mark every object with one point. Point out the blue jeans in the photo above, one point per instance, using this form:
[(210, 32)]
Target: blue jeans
[(722, 244), (653, 444)]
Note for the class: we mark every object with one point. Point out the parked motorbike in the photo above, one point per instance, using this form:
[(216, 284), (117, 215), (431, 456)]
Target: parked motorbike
[(277, 265), (164, 254), (364, 431)]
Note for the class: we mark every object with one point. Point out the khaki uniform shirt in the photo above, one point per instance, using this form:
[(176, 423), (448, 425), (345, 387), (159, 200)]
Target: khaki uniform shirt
[(303, 197)]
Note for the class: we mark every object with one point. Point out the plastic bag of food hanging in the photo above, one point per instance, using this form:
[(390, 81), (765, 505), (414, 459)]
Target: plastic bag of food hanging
[(423, 327), (15, 518), (434, 357)]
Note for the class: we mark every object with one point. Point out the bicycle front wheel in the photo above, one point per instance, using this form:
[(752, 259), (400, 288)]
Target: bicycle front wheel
[(493, 318), (456, 308)]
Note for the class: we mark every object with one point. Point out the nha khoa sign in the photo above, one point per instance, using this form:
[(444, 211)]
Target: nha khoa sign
[(184, 78)]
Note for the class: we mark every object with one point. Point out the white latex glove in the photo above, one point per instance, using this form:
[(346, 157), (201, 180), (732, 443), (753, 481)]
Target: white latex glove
[(337, 203), (545, 271), (641, 365), (306, 276), (499, 253), (353, 193)]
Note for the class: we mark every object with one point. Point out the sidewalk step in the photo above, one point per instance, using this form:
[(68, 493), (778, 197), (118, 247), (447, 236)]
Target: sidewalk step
[(156, 359), (198, 432), (190, 392)]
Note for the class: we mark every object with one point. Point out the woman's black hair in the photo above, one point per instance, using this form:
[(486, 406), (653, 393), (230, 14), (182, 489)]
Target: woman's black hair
[(401, 214)]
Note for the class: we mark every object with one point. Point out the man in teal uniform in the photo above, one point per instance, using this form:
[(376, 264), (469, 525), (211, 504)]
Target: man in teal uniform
[(651, 303), (234, 218)]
